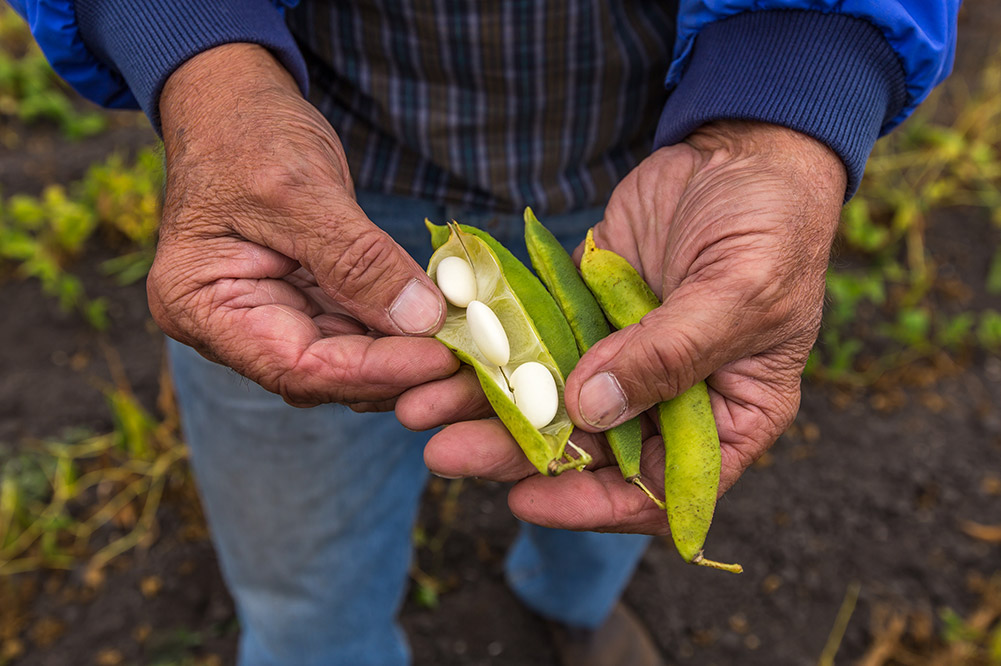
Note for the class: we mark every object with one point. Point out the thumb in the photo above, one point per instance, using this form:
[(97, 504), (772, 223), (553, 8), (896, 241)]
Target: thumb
[(364, 270), (670, 350)]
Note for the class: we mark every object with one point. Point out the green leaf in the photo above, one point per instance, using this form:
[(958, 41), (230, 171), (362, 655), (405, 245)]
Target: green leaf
[(859, 229), (911, 327), (96, 313), (129, 268), (133, 424), (989, 330), (17, 245), (426, 596), (955, 332)]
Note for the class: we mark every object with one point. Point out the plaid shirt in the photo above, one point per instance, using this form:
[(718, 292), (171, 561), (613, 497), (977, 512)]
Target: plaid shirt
[(494, 104)]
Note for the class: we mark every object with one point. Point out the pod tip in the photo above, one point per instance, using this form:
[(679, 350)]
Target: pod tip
[(700, 560)]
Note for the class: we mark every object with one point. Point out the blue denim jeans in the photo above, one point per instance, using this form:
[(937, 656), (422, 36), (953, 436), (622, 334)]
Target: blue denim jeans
[(311, 510)]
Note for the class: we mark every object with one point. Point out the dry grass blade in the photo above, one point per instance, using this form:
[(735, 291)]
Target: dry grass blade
[(83, 485), (841, 621), (987, 533), (888, 628)]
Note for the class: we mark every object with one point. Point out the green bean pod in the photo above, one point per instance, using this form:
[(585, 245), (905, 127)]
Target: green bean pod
[(502, 292), (691, 441), (556, 268)]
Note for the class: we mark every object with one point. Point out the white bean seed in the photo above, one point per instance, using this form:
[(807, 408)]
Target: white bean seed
[(535, 393), (488, 333), (456, 280)]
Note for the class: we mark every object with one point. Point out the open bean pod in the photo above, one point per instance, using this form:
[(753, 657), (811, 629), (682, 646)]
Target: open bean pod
[(497, 291)]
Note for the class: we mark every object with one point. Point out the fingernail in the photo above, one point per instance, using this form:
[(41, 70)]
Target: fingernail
[(447, 478), (601, 400), (417, 309)]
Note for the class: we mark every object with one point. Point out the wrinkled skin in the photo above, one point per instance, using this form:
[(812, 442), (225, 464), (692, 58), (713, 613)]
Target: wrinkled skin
[(732, 229), (265, 262)]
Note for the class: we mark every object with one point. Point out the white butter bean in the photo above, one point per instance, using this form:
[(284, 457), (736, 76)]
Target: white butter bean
[(535, 393), (456, 280), (488, 333)]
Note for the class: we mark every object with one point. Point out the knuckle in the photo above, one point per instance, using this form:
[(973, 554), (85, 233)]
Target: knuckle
[(671, 361), (290, 381), (295, 379), (365, 261), (275, 186)]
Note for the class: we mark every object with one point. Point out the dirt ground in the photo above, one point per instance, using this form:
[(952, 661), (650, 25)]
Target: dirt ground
[(869, 488)]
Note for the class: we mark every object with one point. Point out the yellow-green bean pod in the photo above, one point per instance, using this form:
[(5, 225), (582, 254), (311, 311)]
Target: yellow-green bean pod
[(691, 441)]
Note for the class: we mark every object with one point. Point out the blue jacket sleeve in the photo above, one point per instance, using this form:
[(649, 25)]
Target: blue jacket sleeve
[(119, 53), (844, 72)]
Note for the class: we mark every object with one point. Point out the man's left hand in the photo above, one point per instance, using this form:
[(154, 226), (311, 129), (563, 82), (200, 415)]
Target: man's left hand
[(732, 229)]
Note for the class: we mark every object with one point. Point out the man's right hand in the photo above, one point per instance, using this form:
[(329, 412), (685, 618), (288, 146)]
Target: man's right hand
[(266, 263)]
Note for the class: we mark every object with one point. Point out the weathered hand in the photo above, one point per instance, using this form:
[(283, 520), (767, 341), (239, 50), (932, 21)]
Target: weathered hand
[(732, 229), (265, 262)]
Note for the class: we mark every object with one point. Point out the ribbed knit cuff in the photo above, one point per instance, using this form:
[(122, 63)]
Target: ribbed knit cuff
[(832, 77), (146, 40)]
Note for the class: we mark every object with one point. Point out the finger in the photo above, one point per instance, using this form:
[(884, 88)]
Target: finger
[(456, 398), (305, 281), (330, 325), (485, 449), (600, 501), (285, 352), (237, 310), (481, 448), (365, 270)]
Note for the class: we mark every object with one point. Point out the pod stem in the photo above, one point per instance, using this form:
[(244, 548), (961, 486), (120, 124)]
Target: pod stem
[(700, 560), (582, 460), (649, 493)]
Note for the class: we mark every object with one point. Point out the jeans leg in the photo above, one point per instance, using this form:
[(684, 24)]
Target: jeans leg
[(311, 512), (572, 577)]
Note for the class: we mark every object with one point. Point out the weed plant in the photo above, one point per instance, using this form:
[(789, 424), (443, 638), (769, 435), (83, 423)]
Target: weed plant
[(882, 301), (31, 92), (41, 236)]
